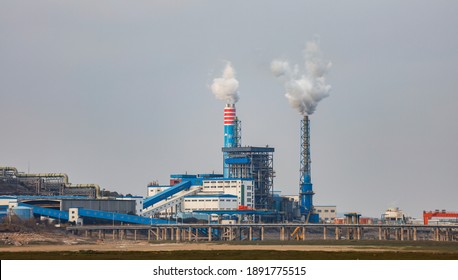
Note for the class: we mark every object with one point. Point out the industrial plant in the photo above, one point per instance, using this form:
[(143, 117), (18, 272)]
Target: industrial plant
[(244, 191), (239, 203)]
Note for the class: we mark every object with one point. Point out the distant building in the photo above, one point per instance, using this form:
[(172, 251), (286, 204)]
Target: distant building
[(327, 214)]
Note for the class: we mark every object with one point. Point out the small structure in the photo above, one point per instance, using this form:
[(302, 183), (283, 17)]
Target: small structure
[(394, 216), (352, 218)]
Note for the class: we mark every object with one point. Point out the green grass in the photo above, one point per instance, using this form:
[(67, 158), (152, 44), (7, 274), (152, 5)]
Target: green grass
[(227, 255), (395, 250)]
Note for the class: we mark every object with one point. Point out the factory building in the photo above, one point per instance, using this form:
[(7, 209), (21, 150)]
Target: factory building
[(327, 214), (13, 182), (138, 203), (242, 189), (210, 202), (153, 189)]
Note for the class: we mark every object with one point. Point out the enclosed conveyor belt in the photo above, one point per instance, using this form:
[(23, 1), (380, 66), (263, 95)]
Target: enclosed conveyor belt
[(166, 194), (121, 217), (116, 217), (47, 211), (170, 202)]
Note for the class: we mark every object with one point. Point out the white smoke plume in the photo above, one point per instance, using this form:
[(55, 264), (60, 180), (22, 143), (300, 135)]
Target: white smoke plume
[(306, 88), (225, 88)]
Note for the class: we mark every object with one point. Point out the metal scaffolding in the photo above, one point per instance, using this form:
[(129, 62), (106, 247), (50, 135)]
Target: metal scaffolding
[(305, 182), (254, 163)]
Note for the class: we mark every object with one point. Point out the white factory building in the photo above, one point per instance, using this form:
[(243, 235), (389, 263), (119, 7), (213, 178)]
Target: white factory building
[(241, 188), (214, 194), (327, 213), (210, 202)]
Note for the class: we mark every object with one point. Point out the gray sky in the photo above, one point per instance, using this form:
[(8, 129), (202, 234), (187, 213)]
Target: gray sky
[(117, 93)]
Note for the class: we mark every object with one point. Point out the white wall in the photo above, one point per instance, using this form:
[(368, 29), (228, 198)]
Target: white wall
[(233, 187), (210, 203)]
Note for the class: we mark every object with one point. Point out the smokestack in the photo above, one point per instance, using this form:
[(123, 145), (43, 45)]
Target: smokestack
[(225, 88), (305, 88), (230, 129), (305, 184), (231, 133)]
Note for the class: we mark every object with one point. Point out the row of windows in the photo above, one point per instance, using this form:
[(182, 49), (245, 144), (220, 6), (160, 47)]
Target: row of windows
[(326, 211), (189, 209), (208, 200), (218, 187)]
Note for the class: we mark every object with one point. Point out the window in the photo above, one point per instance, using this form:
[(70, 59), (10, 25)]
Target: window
[(248, 200), (332, 211), (319, 211), (326, 211)]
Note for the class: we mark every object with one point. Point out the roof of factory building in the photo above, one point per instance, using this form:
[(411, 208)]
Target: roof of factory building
[(212, 195), (129, 196), (208, 175), (52, 197), (181, 176), (228, 179), (235, 212), (249, 149)]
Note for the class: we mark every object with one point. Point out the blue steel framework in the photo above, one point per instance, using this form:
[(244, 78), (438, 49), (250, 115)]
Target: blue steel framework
[(254, 163), (96, 214), (306, 188)]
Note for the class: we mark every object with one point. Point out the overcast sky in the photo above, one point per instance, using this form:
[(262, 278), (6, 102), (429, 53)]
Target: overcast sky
[(117, 93)]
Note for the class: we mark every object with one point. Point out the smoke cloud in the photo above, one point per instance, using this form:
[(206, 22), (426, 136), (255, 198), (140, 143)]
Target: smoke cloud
[(304, 88), (225, 87)]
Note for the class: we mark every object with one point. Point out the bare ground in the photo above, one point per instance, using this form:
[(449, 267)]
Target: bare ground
[(33, 245)]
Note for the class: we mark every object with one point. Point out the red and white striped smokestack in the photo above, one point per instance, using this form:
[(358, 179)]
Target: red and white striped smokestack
[(229, 114)]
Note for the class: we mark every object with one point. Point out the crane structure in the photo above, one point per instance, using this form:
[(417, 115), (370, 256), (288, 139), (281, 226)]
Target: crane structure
[(438, 214)]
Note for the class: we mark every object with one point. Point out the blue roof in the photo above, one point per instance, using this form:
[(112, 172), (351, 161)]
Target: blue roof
[(228, 179), (235, 212), (212, 175), (212, 195), (180, 176), (52, 197), (7, 197), (249, 150)]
